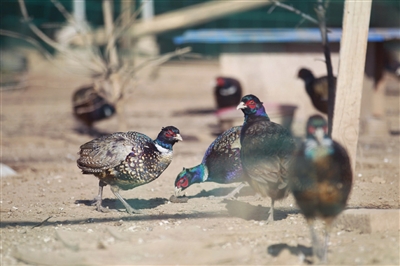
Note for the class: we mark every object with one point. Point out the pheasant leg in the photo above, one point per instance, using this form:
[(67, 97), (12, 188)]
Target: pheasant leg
[(316, 247), (99, 199), (128, 208), (232, 194), (271, 212), (324, 255)]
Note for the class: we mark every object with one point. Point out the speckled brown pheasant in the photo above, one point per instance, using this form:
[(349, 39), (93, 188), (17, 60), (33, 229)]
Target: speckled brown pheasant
[(127, 160)]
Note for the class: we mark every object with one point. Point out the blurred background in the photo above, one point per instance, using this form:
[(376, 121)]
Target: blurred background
[(261, 45)]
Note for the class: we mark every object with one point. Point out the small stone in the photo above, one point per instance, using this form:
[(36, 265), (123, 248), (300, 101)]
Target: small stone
[(6, 171), (175, 199), (378, 180)]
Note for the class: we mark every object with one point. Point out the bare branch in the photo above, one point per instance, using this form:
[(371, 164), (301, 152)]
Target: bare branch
[(119, 31), (37, 31), (300, 22), (294, 10), (154, 62), (64, 12), (81, 28), (163, 58), (321, 11), (61, 49), (271, 9), (111, 51), (118, 20), (27, 39), (41, 49), (94, 53)]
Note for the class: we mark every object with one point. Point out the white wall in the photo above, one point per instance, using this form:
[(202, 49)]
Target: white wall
[(273, 76)]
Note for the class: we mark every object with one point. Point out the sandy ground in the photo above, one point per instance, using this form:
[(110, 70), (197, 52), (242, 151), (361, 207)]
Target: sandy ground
[(46, 218)]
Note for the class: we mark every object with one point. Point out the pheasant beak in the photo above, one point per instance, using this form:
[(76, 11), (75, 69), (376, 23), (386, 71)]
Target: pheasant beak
[(177, 191), (178, 137), (319, 134), (241, 105)]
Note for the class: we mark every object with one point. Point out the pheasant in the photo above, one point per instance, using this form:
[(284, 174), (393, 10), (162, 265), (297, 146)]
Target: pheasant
[(127, 160), (266, 149), (90, 107), (320, 178), (221, 164), (227, 92), (316, 88)]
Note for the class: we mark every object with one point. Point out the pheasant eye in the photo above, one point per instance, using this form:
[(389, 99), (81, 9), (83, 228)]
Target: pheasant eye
[(251, 104), (169, 134), (311, 130), (183, 182)]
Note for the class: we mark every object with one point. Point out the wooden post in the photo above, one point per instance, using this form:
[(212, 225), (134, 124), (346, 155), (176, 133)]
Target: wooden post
[(353, 47), (126, 12)]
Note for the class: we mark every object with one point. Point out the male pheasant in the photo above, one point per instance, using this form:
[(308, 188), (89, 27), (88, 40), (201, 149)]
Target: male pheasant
[(221, 164), (266, 149), (320, 178), (227, 92), (127, 160)]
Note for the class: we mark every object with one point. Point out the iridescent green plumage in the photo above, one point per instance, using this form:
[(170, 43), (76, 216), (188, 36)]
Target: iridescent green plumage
[(221, 163), (266, 149)]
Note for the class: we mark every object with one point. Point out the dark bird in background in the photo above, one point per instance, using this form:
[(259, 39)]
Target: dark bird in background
[(89, 107), (14, 68), (221, 164), (127, 160), (316, 88), (266, 149), (320, 178), (227, 92)]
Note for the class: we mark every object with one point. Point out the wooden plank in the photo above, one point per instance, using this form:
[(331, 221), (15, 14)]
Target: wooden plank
[(353, 47), (182, 18), (193, 15)]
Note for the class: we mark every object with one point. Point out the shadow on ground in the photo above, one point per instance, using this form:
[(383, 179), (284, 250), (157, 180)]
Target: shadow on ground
[(223, 191), (135, 203)]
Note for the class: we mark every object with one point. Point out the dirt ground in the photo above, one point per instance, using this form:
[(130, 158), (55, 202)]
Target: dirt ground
[(46, 218)]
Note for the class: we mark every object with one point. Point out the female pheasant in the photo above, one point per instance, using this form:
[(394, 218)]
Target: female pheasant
[(221, 164), (127, 160), (266, 149), (89, 107), (316, 88), (320, 179)]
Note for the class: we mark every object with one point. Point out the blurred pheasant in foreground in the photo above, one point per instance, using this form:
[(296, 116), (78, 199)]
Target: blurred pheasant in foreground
[(320, 179), (266, 149), (316, 88), (89, 107), (127, 160), (227, 92), (221, 164)]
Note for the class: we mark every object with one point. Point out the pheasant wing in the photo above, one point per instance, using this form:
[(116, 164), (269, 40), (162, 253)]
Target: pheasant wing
[(109, 151)]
